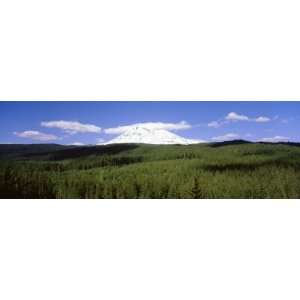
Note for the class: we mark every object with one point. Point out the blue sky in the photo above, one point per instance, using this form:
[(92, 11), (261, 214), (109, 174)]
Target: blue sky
[(68, 122)]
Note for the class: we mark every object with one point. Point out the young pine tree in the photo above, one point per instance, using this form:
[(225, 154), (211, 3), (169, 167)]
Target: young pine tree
[(196, 190)]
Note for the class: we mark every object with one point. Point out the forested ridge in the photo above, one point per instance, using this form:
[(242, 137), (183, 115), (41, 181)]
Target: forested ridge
[(235, 169)]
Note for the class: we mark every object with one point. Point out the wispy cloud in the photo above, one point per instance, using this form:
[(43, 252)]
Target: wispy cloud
[(225, 137), (215, 124), (149, 125), (36, 135), (100, 141), (232, 116), (72, 127), (235, 117), (275, 139), (262, 120)]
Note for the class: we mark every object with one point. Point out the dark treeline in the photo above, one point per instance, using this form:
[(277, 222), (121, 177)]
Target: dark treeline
[(240, 170)]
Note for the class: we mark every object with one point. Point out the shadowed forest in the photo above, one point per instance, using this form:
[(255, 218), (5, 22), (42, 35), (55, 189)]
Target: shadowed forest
[(236, 169)]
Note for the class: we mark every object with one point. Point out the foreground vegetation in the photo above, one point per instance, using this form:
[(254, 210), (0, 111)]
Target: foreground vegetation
[(224, 170)]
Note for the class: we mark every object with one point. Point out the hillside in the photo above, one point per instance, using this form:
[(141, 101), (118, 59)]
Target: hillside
[(21, 150), (236, 169)]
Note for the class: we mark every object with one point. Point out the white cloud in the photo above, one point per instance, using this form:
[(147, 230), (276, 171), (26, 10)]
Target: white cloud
[(72, 127), (36, 135), (226, 137), (215, 124), (283, 120), (235, 117), (149, 125), (262, 119), (100, 141), (275, 139), (232, 116)]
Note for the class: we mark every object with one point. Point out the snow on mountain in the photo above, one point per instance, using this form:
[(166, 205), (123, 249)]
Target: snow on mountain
[(145, 135)]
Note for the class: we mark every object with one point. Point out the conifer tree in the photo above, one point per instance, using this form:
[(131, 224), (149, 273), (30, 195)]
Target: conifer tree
[(196, 190)]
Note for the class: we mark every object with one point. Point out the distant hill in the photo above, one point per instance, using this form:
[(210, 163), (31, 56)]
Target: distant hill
[(58, 152), (61, 152), (282, 143), (19, 150), (228, 143), (83, 151)]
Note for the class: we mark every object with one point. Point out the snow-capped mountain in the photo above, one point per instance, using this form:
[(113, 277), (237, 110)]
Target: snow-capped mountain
[(144, 135)]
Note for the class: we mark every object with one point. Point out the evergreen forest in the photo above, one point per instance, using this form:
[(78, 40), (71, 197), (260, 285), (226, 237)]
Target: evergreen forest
[(236, 169)]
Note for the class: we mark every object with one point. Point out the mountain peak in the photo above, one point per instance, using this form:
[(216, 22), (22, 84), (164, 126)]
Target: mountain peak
[(144, 135)]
